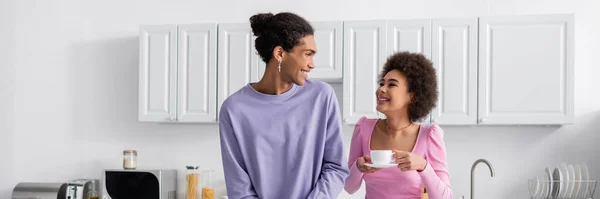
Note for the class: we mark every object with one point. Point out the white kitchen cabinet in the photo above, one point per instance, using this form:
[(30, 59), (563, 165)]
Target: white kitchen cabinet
[(454, 57), (412, 35), (328, 60), (238, 61), (500, 70), (177, 79), (197, 67), (364, 55), (158, 73), (526, 69)]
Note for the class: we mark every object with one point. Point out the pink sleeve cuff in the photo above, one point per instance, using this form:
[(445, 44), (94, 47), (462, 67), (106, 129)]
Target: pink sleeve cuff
[(354, 168), (427, 172), (354, 180)]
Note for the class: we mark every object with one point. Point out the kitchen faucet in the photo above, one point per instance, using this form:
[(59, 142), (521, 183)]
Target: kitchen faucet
[(473, 169)]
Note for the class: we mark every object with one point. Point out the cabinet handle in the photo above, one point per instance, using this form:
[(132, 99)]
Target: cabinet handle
[(482, 120)]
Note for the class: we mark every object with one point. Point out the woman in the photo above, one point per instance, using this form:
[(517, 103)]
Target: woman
[(407, 93)]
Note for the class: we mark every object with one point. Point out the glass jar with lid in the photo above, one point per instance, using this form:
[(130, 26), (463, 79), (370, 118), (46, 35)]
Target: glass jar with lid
[(192, 176), (129, 159)]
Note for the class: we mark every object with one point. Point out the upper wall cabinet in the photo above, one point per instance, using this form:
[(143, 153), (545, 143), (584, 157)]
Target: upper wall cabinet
[(158, 73), (505, 70), (501, 70), (526, 69), (197, 68), (455, 60), (238, 60), (364, 55), (409, 35), (177, 76)]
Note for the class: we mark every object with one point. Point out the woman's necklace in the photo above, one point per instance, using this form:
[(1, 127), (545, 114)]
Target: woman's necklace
[(392, 129)]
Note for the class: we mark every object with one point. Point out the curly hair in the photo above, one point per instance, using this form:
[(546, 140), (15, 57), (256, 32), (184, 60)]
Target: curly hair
[(284, 29), (421, 79)]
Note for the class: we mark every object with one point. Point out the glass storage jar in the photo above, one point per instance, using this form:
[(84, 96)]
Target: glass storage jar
[(208, 189), (129, 159), (191, 177)]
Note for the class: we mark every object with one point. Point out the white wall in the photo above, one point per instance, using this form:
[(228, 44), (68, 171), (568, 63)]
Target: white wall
[(75, 90), (7, 52)]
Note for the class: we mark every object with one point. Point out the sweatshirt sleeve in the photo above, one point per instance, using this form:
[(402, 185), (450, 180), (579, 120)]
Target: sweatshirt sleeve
[(435, 175), (333, 171), (355, 178), (237, 179)]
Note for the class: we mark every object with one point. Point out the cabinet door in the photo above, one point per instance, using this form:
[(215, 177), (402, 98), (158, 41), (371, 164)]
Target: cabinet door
[(157, 73), (455, 60), (526, 69), (409, 35), (328, 60), (197, 88), (364, 55), (412, 36), (238, 60)]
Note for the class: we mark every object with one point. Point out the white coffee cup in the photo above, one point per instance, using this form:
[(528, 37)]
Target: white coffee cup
[(382, 157)]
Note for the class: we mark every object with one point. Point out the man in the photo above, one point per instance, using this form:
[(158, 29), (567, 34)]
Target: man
[(281, 136)]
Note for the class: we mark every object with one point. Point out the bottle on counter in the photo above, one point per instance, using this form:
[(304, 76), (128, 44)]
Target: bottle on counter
[(208, 189), (129, 159), (92, 193), (192, 182)]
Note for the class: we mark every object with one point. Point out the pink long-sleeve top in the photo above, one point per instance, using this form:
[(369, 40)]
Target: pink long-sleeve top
[(392, 183)]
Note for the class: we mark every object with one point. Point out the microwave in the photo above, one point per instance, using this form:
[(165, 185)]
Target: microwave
[(139, 184)]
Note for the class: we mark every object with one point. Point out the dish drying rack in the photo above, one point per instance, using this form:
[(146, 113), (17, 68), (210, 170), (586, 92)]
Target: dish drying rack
[(572, 189)]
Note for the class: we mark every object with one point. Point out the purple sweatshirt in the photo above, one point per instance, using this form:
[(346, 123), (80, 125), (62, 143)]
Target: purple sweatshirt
[(286, 146)]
